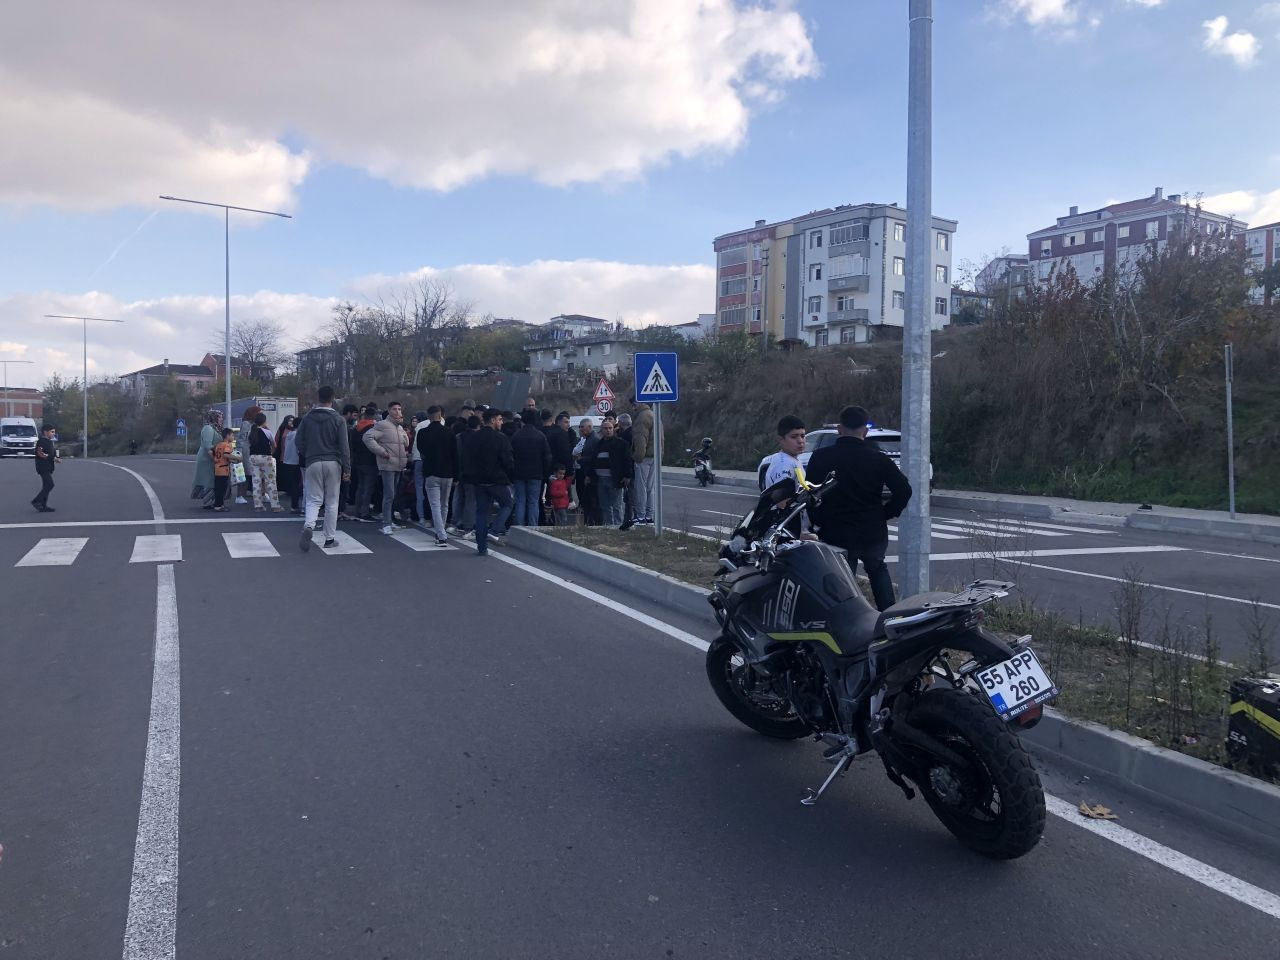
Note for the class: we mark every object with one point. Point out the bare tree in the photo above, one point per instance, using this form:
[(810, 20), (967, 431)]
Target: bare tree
[(259, 342)]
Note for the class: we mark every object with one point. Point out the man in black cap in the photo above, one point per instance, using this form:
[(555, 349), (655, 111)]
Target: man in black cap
[(46, 458)]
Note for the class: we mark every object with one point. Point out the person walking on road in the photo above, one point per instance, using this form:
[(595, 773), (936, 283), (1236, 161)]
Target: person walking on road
[(364, 463), (46, 459), (492, 465), (224, 454), (263, 463), (854, 515), (322, 444), (288, 473), (642, 456), (389, 445), (532, 455), (438, 455), (210, 437), (610, 473)]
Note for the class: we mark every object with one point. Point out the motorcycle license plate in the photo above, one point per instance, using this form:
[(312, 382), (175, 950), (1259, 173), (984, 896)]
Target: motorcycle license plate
[(1016, 684)]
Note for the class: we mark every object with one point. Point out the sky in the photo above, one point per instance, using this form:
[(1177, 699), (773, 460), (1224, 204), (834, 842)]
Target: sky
[(564, 156)]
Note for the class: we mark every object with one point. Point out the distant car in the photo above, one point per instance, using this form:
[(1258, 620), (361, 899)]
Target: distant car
[(889, 441), (576, 419), (17, 436)]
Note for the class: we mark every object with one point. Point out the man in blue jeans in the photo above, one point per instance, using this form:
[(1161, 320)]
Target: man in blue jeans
[(488, 460), (532, 457)]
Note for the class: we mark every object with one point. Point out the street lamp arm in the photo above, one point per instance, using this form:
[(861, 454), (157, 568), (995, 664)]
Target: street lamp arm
[(228, 206)]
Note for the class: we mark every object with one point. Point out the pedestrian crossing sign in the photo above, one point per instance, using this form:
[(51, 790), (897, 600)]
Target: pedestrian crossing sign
[(656, 380)]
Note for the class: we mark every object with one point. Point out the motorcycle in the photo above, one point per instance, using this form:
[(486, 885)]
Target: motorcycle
[(802, 653), (702, 464)]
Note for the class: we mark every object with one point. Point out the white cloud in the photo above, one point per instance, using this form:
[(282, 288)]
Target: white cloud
[(1147, 3), (1255, 207), (1241, 46), (179, 327), (101, 103), (1044, 13)]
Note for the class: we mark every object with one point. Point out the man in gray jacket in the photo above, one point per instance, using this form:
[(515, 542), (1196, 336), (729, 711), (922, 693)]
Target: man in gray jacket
[(322, 444), (387, 441)]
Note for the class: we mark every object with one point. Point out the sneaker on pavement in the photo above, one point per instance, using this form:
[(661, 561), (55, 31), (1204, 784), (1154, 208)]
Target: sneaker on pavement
[(469, 535), (387, 530), (628, 524), (241, 500), (331, 543), (305, 542), (442, 542), (496, 538)]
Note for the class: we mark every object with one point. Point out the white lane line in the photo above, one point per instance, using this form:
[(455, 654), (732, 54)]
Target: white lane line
[(995, 530), (1153, 586), (241, 545), (690, 533), (160, 548), (1073, 552), (417, 541), (157, 511), (1239, 556), (1037, 525), (717, 490), (972, 530), (722, 513), (347, 545), (151, 926), (933, 531), (161, 522), (1211, 877), (53, 552)]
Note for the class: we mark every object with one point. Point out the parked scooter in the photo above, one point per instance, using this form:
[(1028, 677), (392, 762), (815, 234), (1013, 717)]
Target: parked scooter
[(702, 464)]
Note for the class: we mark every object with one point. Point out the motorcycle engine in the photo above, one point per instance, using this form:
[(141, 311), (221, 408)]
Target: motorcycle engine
[(808, 691)]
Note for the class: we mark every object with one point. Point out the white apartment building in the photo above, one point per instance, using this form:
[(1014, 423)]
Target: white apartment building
[(833, 276), (1262, 250), (1118, 235)]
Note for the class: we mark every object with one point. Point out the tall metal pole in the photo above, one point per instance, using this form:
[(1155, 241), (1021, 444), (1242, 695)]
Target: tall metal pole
[(84, 384), (764, 303), (226, 222), (1231, 444), (913, 530), (657, 469)]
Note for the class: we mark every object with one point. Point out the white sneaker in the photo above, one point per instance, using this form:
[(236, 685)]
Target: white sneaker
[(469, 535), (387, 530), (241, 500)]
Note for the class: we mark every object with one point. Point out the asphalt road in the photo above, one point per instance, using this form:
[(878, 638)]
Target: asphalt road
[(404, 753), (1071, 567)]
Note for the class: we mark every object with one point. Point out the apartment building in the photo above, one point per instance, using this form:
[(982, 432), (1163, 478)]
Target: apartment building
[(1262, 250), (1004, 277), (827, 277), (193, 377), (1117, 236)]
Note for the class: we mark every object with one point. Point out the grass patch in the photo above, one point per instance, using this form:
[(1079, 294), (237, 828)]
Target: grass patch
[(678, 555)]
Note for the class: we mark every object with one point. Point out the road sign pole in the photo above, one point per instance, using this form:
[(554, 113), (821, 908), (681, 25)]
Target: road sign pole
[(656, 493), (1231, 440)]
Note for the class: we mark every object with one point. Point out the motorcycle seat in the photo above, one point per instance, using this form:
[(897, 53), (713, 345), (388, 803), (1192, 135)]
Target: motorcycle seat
[(857, 624)]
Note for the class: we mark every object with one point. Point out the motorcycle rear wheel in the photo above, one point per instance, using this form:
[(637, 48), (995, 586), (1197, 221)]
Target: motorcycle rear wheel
[(997, 808), (727, 672)]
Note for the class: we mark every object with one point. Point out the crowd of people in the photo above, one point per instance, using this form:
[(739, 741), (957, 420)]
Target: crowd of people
[(470, 474)]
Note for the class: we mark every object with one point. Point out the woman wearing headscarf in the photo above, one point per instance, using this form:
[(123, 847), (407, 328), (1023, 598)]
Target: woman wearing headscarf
[(288, 472), (210, 436), (245, 489)]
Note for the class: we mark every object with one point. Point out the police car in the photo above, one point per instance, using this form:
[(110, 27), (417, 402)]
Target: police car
[(889, 442)]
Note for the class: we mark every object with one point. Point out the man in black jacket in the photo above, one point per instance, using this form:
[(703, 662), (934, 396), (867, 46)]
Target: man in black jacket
[(854, 514), (609, 473), (46, 458), (532, 456), (489, 463), (438, 450)]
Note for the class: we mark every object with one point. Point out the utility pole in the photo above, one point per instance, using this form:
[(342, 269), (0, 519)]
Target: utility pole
[(1231, 441), (913, 529), (764, 302)]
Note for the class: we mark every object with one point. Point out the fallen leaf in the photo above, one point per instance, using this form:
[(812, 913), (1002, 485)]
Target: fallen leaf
[(1097, 812)]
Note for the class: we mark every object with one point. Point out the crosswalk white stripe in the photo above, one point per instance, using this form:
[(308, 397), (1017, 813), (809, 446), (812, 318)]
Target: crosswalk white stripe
[(346, 545), (53, 552), (417, 541), (997, 528), (241, 545), (159, 548), (973, 531), (1038, 525), (940, 536)]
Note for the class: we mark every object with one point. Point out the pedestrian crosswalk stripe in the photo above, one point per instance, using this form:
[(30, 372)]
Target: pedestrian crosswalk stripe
[(415, 540), (161, 548), (347, 544), (241, 545), (53, 552)]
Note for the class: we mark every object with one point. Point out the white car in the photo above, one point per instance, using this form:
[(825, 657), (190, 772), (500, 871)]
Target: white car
[(17, 436), (889, 442)]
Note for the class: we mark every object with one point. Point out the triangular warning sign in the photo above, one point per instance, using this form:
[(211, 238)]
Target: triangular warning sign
[(656, 382), (602, 390)]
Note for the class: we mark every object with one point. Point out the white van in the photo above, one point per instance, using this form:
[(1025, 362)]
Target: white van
[(17, 436)]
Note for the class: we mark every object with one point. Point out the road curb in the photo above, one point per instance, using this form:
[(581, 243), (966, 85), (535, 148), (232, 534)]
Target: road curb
[(1235, 529), (1231, 799)]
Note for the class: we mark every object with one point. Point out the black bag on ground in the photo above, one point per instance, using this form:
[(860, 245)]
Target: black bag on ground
[(1253, 729)]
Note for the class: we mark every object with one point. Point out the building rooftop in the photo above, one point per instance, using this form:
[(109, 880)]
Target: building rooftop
[(1156, 203), (177, 369)]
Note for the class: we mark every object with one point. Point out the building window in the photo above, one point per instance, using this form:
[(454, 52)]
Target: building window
[(1045, 269), (815, 240), (940, 273), (900, 232), (588, 351), (848, 334), (730, 287), (729, 318), (820, 338), (608, 349), (899, 267), (1122, 233), (815, 271), (1097, 236), (537, 356), (556, 356), (1153, 230), (755, 284), (1046, 248), (944, 241), (899, 300), (940, 305), (815, 304), (844, 303), (733, 255), (848, 233), (1097, 261), (1073, 239), (755, 317)]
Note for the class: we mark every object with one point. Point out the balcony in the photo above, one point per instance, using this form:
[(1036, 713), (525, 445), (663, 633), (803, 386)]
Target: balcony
[(861, 248), (855, 283), (856, 315)]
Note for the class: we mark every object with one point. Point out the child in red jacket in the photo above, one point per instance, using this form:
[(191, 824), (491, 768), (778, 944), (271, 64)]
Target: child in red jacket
[(558, 488)]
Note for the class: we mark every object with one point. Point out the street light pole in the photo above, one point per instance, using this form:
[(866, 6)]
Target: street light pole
[(226, 243), (913, 530), (764, 303), (8, 407), (84, 386)]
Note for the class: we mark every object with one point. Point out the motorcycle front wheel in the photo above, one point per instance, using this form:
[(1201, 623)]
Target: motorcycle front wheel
[(996, 806), (739, 689)]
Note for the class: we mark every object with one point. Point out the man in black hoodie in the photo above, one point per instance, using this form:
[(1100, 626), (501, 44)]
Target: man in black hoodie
[(532, 455), (438, 451), (364, 465), (610, 472), (487, 461)]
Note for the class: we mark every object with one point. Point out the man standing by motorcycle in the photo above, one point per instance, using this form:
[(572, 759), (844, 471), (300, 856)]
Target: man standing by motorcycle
[(854, 516)]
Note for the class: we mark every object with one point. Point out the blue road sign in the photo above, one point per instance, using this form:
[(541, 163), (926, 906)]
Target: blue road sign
[(656, 380), (182, 427)]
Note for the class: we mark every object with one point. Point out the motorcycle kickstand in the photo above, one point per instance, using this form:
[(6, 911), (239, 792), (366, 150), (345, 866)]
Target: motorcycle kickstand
[(811, 797)]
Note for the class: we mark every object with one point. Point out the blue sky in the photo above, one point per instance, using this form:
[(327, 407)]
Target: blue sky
[(1039, 104)]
